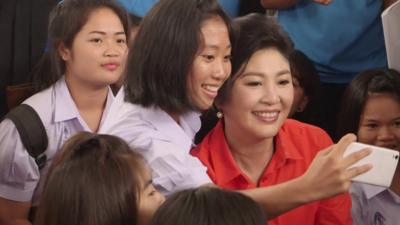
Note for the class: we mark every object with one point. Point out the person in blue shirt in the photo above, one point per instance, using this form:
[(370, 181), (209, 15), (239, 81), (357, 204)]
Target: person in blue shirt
[(341, 37), (141, 7)]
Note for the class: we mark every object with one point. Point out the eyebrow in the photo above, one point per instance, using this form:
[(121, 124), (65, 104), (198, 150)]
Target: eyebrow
[(217, 47), (250, 73), (104, 33)]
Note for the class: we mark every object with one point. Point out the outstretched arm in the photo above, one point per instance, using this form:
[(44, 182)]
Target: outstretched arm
[(327, 176)]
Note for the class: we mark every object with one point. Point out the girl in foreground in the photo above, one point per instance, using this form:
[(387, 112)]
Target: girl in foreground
[(100, 180)]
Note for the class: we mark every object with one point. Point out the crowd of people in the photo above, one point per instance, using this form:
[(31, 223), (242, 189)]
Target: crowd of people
[(124, 98)]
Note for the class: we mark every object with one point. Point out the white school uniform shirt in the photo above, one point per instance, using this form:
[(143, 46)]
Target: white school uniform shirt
[(20, 178), (374, 205), (164, 143)]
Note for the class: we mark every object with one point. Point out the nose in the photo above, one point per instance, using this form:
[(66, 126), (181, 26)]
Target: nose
[(161, 198), (271, 95), (112, 49), (221, 70), (385, 134)]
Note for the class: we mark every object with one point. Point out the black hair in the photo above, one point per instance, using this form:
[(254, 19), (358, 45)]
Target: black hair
[(357, 93), (163, 52), (209, 206), (253, 32)]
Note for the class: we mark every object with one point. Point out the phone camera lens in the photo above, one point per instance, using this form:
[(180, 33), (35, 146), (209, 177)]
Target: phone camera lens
[(396, 156)]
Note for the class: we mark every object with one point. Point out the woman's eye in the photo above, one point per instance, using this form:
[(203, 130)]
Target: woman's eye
[(227, 58), (208, 58), (284, 82), (96, 40), (254, 83), (121, 41), (397, 124)]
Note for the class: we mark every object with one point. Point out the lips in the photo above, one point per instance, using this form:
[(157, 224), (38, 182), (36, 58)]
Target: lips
[(110, 66)]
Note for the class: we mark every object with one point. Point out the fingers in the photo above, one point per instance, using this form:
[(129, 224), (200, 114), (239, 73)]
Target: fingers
[(355, 157), (355, 171), (341, 146)]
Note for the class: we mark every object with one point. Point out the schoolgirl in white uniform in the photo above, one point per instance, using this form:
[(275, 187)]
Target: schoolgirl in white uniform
[(88, 52)]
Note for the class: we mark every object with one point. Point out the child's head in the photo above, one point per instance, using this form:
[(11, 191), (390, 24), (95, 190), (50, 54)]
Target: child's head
[(97, 179), (209, 206), (88, 39), (258, 96), (305, 81), (371, 108), (180, 57)]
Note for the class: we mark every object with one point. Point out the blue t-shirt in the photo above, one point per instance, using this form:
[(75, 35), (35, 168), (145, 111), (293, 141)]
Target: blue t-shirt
[(342, 38), (141, 7)]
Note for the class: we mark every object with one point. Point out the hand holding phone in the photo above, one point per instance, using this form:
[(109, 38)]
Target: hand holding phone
[(383, 160)]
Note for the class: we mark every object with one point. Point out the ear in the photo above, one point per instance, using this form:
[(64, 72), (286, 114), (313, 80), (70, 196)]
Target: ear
[(64, 52), (302, 104)]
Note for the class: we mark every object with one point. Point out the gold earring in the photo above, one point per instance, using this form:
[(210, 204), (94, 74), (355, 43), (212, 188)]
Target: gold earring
[(220, 114)]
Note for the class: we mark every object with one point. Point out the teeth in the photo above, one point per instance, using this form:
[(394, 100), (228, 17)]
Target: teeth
[(266, 114), (211, 88)]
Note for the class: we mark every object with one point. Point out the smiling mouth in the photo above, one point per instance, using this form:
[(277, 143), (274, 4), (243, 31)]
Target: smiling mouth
[(211, 90), (267, 116)]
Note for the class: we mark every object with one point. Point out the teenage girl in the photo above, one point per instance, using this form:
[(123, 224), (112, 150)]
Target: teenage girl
[(371, 109), (88, 50)]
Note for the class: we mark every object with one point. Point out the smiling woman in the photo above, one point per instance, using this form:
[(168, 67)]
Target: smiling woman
[(255, 145)]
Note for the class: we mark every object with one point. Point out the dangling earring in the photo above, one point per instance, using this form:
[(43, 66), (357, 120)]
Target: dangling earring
[(220, 114)]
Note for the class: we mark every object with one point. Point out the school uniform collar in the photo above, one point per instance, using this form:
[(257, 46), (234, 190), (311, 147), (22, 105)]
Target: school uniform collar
[(181, 134), (285, 150), (65, 107), (371, 191)]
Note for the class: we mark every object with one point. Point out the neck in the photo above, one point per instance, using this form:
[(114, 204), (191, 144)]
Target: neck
[(251, 155), (175, 117), (89, 100)]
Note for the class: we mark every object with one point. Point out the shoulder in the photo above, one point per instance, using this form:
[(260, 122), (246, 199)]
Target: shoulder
[(304, 135), (43, 103), (294, 127)]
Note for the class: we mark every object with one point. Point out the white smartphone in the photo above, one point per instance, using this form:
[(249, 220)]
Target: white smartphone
[(383, 160)]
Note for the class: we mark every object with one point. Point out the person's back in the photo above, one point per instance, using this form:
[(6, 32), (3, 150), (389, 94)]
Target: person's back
[(341, 37)]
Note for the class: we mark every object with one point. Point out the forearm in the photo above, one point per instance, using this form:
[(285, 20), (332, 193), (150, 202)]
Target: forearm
[(278, 199), (278, 4)]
